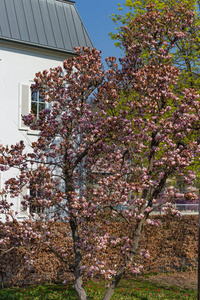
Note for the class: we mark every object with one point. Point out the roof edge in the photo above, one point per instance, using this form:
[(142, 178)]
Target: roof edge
[(69, 1), (31, 45)]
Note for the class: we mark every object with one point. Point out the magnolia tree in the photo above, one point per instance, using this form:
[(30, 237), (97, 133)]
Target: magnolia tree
[(94, 164)]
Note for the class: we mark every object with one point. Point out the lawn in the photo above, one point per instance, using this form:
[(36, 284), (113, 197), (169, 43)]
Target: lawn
[(128, 289)]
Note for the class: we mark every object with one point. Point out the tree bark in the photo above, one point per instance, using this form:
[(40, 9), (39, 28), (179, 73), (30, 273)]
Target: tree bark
[(69, 188), (78, 284)]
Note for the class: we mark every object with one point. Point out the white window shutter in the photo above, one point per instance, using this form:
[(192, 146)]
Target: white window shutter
[(24, 103)]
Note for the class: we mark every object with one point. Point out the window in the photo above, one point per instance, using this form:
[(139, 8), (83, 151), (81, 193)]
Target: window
[(29, 101), (34, 206), (37, 103)]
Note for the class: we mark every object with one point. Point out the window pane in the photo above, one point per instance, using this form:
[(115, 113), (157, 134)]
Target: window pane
[(41, 99), (34, 108), (41, 106), (37, 103), (33, 96)]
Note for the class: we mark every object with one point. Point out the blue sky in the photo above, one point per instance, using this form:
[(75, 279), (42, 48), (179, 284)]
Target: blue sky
[(95, 16)]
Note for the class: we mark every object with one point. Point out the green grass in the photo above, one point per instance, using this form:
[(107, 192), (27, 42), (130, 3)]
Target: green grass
[(127, 289)]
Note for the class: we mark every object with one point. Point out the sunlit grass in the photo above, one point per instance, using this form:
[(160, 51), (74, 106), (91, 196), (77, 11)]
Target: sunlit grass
[(127, 289)]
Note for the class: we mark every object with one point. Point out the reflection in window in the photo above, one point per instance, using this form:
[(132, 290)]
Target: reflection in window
[(37, 103)]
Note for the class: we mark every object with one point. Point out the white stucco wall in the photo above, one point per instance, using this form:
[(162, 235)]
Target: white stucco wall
[(18, 64)]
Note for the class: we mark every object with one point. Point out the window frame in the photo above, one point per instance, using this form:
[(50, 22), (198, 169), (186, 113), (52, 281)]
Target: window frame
[(24, 107)]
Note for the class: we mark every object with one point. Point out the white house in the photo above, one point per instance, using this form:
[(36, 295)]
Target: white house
[(34, 35)]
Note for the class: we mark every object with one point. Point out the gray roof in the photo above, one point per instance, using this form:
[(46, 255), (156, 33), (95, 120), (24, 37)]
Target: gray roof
[(52, 24)]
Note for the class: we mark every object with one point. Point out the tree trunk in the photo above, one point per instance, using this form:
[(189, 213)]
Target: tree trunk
[(129, 261), (78, 284), (69, 188), (2, 279)]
